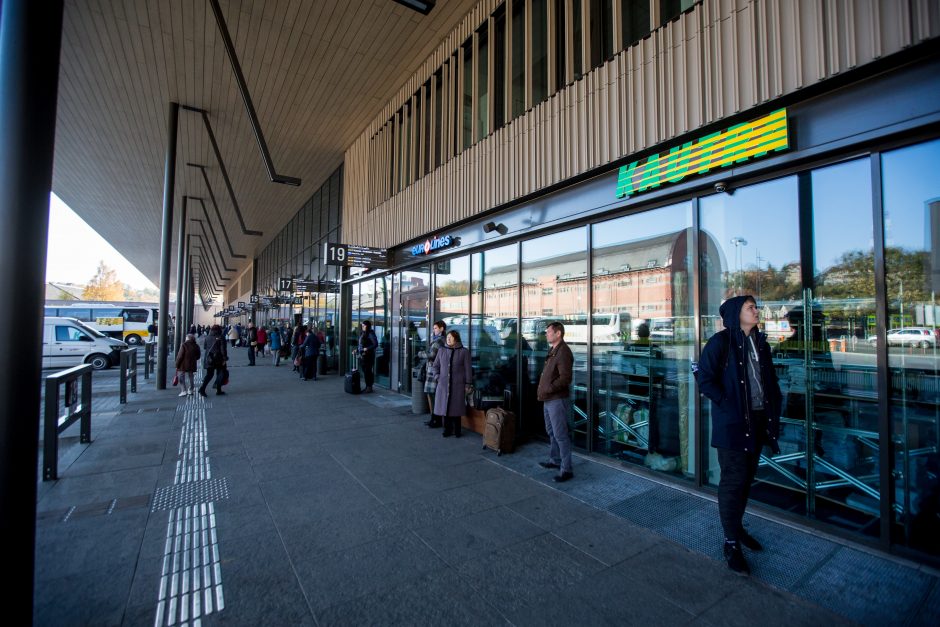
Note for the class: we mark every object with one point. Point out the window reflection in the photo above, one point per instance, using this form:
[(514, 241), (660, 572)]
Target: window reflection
[(495, 297), (554, 287), (912, 273), (642, 338), (749, 243), (413, 327)]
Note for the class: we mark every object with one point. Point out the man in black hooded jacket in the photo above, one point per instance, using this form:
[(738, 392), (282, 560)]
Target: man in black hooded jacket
[(736, 373)]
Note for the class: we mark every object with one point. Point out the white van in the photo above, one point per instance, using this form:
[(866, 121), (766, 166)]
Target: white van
[(67, 342)]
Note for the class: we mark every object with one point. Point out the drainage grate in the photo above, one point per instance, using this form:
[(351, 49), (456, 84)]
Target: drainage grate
[(657, 507), (190, 493)]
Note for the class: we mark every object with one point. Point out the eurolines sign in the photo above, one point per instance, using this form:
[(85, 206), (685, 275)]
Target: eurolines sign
[(737, 144), (431, 244)]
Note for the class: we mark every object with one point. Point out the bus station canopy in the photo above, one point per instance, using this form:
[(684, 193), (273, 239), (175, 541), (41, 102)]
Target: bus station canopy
[(318, 72)]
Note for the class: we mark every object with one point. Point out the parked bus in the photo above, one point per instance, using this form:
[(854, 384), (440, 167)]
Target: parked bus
[(124, 322)]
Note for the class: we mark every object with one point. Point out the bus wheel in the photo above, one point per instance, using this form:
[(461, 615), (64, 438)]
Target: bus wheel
[(133, 340), (98, 361)]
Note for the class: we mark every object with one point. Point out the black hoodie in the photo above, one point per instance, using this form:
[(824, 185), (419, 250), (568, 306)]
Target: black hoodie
[(722, 378)]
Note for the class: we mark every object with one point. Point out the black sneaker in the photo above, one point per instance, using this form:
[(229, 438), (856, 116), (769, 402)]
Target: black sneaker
[(549, 465), (750, 541), (735, 558), (562, 477)]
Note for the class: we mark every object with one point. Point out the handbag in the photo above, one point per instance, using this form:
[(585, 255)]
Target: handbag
[(471, 397), (225, 376), (298, 360), (176, 378)]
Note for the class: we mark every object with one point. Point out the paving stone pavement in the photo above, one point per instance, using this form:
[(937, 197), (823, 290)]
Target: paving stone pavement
[(291, 503)]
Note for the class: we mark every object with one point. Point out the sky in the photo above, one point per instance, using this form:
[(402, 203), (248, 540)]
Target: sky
[(74, 250)]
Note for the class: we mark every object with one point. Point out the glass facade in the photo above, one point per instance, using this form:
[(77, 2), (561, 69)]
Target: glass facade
[(911, 201), (639, 295), (297, 253)]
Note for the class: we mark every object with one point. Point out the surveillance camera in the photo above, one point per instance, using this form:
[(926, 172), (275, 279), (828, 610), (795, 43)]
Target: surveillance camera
[(721, 187)]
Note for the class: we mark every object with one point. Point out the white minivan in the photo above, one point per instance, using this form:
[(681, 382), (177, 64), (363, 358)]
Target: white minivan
[(67, 342)]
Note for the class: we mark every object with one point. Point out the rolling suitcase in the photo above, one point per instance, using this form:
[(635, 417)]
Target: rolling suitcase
[(499, 432), (351, 381)]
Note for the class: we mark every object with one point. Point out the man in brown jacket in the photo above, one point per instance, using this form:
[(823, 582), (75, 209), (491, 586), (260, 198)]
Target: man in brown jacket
[(554, 390)]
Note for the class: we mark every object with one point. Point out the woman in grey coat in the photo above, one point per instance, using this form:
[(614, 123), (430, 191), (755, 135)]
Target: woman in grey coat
[(452, 368)]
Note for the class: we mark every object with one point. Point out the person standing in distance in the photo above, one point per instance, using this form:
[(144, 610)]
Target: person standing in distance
[(368, 343), (737, 374), (554, 391)]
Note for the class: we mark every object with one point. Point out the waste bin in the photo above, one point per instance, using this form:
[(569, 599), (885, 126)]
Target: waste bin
[(321, 362), (419, 400)]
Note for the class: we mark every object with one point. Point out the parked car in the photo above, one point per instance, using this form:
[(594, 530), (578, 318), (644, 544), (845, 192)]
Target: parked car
[(923, 337), (67, 342)]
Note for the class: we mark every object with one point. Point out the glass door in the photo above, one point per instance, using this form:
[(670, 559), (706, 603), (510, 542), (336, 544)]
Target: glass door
[(911, 197), (840, 390), (554, 288), (414, 321), (643, 339), (382, 325)]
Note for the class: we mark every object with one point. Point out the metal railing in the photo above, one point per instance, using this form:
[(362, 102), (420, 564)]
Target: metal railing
[(150, 359), (128, 372), (77, 404)]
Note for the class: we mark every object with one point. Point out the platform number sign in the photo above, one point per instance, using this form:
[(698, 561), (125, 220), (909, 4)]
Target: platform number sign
[(254, 299), (352, 256), (335, 254), (285, 284)]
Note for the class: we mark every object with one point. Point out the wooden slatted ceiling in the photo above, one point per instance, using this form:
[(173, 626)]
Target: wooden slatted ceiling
[(319, 71)]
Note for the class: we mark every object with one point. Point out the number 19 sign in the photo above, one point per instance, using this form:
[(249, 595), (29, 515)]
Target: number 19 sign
[(355, 256)]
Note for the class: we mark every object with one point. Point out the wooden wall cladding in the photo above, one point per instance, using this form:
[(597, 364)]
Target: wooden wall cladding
[(718, 59)]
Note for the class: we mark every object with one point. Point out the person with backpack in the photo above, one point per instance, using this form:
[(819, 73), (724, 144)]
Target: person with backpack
[(216, 356), (297, 340), (736, 373), (368, 343)]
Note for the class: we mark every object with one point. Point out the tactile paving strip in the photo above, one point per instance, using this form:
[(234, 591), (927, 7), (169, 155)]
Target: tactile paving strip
[(190, 493)]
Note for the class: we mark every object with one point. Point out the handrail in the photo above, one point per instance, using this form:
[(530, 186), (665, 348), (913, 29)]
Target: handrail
[(128, 371), (78, 407)]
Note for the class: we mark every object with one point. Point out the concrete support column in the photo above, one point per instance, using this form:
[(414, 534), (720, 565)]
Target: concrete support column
[(181, 326), (169, 184), (30, 37)]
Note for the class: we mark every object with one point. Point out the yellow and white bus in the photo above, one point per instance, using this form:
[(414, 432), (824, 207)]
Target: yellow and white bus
[(124, 322)]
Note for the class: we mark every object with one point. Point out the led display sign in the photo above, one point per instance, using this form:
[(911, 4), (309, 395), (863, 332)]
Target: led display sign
[(737, 144)]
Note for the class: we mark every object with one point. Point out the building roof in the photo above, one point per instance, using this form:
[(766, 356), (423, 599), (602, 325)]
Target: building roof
[(318, 72)]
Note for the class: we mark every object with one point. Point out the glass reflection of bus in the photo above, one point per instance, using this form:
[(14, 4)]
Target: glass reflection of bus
[(124, 322)]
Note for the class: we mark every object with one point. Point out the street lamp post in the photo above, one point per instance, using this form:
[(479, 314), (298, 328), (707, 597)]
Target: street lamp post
[(739, 242)]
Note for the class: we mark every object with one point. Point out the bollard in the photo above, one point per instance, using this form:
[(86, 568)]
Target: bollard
[(128, 371)]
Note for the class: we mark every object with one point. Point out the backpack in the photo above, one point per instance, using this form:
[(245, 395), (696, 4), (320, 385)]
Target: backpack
[(215, 357)]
